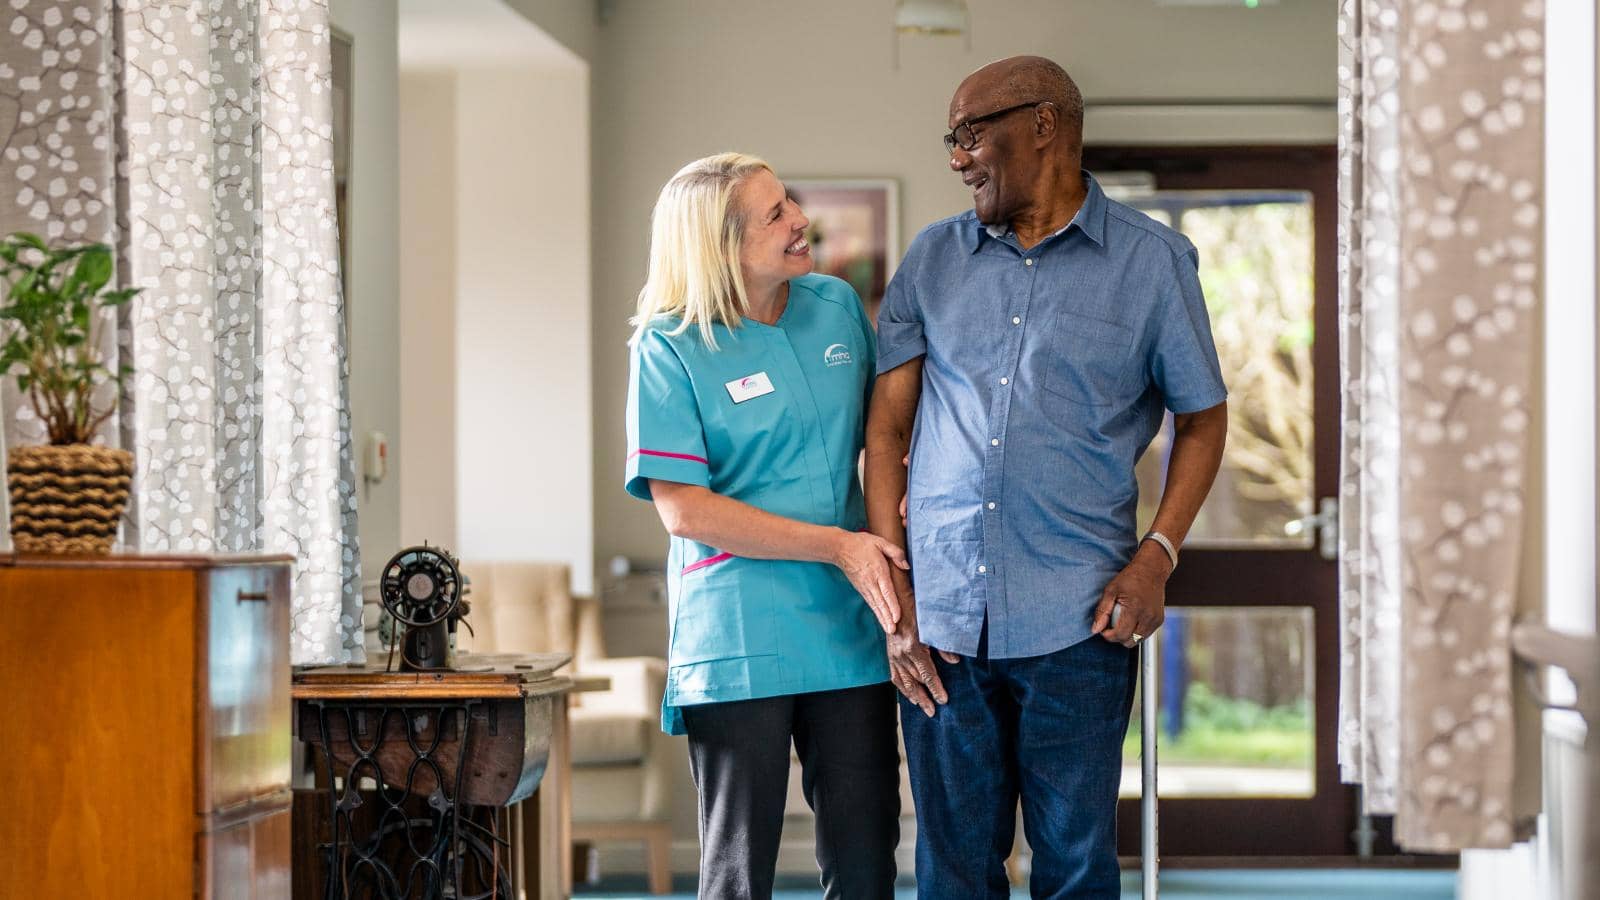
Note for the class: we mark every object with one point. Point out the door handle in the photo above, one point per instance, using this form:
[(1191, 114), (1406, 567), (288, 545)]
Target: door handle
[(1324, 525)]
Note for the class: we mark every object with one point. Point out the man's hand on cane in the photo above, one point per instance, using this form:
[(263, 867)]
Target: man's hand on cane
[(1140, 590)]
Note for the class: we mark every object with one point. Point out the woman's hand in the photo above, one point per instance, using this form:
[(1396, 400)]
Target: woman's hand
[(864, 559)]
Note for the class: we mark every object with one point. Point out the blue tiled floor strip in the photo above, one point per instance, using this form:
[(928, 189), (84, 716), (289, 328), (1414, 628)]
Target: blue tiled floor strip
[(1176, 884)]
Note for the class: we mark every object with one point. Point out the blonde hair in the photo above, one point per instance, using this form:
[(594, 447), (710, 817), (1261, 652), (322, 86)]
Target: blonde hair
[(696, 232)]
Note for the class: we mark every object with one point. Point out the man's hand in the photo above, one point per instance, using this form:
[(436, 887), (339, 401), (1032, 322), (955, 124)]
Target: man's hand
[(910, 661), (1141, 590), (889, 423)]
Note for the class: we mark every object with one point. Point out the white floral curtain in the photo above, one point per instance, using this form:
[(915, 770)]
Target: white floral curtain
[(196, 138), (1440, 242), (1369, 434)]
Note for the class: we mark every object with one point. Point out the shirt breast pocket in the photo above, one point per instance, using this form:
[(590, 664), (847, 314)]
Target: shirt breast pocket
[(1089, 361)]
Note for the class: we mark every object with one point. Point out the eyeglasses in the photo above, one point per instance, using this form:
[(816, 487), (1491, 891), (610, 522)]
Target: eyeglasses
[(963, 137)]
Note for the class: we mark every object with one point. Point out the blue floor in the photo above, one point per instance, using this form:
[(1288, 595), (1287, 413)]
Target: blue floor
[(1191, 884)]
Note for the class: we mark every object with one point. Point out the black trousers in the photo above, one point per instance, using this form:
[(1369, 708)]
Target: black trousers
[(850, 771)]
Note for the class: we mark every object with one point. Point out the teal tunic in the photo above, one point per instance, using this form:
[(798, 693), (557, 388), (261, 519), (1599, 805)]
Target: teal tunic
[(774, 417)]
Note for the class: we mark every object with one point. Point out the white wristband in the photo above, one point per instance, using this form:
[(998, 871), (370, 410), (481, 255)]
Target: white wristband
[(1166, 544)]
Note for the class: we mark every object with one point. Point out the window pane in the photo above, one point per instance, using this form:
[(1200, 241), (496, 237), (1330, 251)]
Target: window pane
[(1236, 693), (1255, 267)]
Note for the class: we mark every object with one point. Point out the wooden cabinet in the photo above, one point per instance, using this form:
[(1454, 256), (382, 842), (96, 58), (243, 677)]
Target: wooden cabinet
[(144, 717)]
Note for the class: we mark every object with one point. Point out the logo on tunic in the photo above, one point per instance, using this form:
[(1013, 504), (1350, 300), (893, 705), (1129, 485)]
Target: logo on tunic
[(836, 355)]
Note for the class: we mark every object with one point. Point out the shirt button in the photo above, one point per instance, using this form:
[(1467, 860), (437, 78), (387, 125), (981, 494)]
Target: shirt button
[(994, 442), (982, 569), (1004, 380), (1016, 320), (991, 505), (1027, 262)]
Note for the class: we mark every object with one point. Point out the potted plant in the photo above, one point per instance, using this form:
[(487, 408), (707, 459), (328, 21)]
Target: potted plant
[(66, 496)]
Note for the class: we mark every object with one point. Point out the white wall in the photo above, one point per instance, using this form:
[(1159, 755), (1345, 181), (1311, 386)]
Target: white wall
[(574, 23), (811, 88), (427, 343), (1569, 356), (523, 400), (373, 301), (496, 286)]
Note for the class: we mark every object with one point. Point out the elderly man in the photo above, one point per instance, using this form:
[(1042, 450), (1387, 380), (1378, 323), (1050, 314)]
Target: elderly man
[(1028, 350)]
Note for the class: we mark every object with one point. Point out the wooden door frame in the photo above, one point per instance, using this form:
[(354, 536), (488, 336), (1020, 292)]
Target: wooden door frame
[(1321, 825)]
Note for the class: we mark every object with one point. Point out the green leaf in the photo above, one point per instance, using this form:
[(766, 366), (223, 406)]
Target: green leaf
[(52, 296), (92, 271)]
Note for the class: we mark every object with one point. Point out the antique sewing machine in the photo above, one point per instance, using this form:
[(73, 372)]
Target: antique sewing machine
[(424, 766), (424, 594)]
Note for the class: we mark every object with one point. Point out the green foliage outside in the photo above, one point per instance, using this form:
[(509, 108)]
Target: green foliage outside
[(1224, 731)]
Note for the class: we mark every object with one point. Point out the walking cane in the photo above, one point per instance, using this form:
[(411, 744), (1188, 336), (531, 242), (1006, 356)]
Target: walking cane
[(1149, 854)]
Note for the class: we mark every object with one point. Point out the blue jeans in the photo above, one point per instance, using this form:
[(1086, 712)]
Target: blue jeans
[(1048, 728)]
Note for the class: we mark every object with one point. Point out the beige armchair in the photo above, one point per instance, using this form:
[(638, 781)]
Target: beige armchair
[(621, 770)]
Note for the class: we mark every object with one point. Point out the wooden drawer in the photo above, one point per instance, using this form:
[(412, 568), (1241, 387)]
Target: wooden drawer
[(152, 697), (243, 734)]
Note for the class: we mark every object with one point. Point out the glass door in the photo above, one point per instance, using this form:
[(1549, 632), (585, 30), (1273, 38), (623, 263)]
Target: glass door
[(1248, 663)]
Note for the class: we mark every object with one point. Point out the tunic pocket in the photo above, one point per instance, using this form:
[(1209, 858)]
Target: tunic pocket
[(724, 610), (1090, 361)]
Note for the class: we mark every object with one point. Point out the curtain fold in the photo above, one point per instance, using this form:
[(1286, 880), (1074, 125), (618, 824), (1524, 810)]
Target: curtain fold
[(1441, 237), (1369, 523), (197, 139)]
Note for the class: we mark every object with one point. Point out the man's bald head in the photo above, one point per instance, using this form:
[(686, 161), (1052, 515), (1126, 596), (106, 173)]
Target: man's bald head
[(1021, 79), (1016, 140)]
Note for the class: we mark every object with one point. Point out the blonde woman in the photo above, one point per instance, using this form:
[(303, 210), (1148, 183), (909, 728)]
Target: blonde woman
[(746, 412)]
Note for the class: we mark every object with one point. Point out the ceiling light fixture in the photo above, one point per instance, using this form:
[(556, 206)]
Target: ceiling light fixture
[(937, 18)]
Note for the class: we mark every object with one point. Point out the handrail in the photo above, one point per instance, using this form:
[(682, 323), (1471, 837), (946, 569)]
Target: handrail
[(1579, 655)]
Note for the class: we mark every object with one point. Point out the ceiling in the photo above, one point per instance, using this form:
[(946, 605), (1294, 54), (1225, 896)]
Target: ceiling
[(463, 34)]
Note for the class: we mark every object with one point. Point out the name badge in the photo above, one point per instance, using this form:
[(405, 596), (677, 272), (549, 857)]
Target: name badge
[(750, 387)]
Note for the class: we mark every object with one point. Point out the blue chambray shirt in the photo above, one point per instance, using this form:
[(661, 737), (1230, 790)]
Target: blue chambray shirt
[(1047, 373)]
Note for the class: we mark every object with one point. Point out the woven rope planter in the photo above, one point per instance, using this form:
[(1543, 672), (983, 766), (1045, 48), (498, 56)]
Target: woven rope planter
[(67, 499)]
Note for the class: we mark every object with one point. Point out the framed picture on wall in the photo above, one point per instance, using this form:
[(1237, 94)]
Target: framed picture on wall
[(855, 230)]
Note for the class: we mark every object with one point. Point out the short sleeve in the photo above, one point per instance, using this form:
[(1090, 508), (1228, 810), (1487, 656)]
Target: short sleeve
[(1183, 362), (900, 337), (665, 437)]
